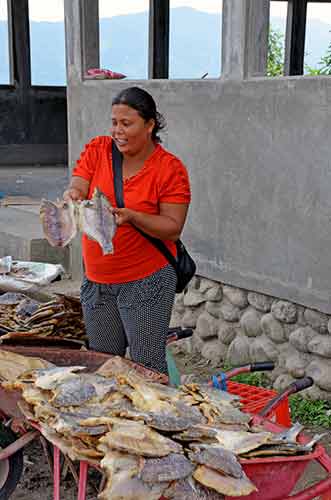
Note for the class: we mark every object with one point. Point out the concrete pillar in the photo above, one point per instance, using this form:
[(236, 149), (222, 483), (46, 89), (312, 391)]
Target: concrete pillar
[(74, 46), (245, 38), (74, 57), (90, 34), (258, 37)]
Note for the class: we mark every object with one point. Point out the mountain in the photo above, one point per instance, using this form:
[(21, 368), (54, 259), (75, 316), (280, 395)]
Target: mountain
[(195, 46)]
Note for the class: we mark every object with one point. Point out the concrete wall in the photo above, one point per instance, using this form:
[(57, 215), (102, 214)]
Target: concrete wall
[(257, 151), (258, 154)]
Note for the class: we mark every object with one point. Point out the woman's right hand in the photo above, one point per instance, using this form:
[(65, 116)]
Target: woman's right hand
[(73, 194)]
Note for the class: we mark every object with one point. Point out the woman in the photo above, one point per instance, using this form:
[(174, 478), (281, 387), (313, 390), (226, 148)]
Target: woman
[(127, 296)]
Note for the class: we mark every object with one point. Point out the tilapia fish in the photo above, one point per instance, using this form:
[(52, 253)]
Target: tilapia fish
[(63, 219), (58, 222), (97, 221)]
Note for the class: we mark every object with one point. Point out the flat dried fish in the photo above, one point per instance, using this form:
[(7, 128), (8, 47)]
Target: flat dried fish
[(73, 392), (173, 467), (189, 489), (123, 481), (138, 439), (216, 457), (97, 221), (225, 485), (242, 441), (58, 222), (53, 376)]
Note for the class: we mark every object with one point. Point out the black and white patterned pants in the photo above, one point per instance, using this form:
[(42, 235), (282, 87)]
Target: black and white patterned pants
[(134, 314)]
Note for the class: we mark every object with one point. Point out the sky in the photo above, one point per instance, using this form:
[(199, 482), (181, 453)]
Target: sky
[(52, 10)]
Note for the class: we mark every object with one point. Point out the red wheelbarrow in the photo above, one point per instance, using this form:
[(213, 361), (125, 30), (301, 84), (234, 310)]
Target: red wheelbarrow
[(274, 477)]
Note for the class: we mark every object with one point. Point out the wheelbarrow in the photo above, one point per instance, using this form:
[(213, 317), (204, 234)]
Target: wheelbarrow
[(259, 470)]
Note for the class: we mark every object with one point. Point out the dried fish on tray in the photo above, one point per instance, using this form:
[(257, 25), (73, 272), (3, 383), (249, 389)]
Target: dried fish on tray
[(23, 317), (151, 440)]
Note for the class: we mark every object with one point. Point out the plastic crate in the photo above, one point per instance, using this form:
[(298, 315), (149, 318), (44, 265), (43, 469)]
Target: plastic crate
[(255, 399)]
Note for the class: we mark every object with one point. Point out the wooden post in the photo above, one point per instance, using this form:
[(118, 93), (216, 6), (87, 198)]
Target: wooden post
[(295, 37), (159, 20), (19, 42)]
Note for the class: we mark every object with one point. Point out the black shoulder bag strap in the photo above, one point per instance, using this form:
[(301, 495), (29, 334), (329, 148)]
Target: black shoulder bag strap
[(117, 161)]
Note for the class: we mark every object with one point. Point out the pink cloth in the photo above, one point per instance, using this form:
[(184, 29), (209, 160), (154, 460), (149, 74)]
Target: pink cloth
[(104, 74)]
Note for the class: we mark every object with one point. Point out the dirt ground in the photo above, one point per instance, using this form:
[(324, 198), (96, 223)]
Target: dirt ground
[(36, 481)]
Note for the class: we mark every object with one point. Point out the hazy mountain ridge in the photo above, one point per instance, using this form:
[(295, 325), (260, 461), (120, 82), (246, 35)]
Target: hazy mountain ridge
[(195, 45)]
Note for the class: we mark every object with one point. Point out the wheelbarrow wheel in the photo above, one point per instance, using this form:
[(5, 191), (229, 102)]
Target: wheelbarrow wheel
[(10, 469)]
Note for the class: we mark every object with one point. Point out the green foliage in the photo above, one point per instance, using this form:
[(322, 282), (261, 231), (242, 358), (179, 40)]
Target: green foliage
[(324, 65), (259, 379), (310, 412), (275, 65)]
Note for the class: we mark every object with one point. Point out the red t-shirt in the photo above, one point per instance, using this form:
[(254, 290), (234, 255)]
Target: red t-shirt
[(162, 179)]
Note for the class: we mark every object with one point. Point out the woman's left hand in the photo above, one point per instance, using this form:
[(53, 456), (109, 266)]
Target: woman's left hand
[(122, 215)]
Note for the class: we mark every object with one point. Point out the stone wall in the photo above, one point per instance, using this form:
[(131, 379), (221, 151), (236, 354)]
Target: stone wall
[(239, 326)]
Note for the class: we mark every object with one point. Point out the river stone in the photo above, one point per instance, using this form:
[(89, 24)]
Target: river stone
[(179, 303), (190, 317), (238, 353), (197, 342), (262, 349), (183, 346), (213, 308), (283, 381), (176, 319), (206, 284), (250, 322), (301, 337), (214, 294), (214, 351), (317, 393), (207, 325), (193, 298), (301, 320), (321, 345), (296, 363), (284, 311), (260, 302), (226, 332), (320, 369), (236, 296), (317, 320), (289, 328), (273, 328), (229, 312)]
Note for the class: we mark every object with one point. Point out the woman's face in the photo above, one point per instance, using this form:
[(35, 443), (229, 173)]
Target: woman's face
[(129, 130)]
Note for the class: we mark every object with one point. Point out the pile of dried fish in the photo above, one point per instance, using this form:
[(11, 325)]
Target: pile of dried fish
[(21, 316), (62, 220), (151, 440)]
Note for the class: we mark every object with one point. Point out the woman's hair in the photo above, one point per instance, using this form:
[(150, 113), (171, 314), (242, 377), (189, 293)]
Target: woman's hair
[(143, 102)]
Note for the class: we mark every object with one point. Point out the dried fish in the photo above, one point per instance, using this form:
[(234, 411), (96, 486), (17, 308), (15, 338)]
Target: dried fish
[(58, 222), (173, 467), (225, 485)]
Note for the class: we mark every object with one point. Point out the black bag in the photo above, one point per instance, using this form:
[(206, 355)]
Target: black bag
[(184, 265)]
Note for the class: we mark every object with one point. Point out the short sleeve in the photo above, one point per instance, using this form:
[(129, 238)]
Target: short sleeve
[(87, 163), (175, 184)]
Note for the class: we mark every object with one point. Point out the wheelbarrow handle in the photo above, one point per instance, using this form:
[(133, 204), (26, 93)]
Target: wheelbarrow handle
[(293, 388), (254, 367), (314, 491), (178, 333)]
